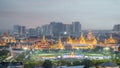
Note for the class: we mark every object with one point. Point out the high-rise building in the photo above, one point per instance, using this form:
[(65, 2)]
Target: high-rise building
[(68, 28), (16, 29), (76, 26), (45, 30), (19, 30), (56, 28), (116, 27), (32, 32), (38, 31), (23, 29)]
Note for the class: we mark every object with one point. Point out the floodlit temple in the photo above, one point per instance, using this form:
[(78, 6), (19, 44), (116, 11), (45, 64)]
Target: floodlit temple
[(42, 44), (6, 39), (110, 42), (88, 42), (59, 45), (82, 42)]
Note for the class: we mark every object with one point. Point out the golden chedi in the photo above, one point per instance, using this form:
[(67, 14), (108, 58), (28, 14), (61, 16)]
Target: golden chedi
[(60, 46)]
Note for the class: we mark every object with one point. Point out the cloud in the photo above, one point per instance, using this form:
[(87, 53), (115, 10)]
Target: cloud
[(38, 12)]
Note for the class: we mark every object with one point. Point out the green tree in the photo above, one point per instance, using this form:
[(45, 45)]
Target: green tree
[(3, 55), (87, 63), (47, 64), (76, 63)]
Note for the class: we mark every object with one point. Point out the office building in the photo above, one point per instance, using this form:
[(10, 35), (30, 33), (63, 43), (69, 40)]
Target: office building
[(32, 32), (116, 27), (76, 28), (19, 30)]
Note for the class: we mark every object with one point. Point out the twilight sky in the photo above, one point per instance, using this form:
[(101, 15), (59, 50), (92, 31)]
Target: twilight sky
[(93, 14)]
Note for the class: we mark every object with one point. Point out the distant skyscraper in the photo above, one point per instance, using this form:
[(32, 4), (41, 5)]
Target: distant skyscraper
[(68, 28), (116, 27), (16, 29), (19, 30), (23, 29), (32, 32), (76, 28), (56, 28), (45, 29), (38, 31)]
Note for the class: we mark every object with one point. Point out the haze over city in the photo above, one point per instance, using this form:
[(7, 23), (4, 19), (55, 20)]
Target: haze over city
[(92, 14)]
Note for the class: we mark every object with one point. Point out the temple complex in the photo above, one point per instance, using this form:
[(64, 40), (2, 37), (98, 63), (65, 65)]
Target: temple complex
[(7, 39), (41, 44), (82, 42), (88, 42), (110, 40)]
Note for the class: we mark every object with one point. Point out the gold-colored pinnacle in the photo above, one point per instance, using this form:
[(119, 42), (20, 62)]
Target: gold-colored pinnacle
[(43, 39), (89, 35), (111, 40), (60, 46), (82, 39), (69, 40), (94, 41), (111, 37)]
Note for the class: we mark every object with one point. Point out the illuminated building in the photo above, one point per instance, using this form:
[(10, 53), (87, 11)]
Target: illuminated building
[(69, 40), (7, 39), (110, 40), (52, 44), (82, 43), (41, 44), (59, 45)]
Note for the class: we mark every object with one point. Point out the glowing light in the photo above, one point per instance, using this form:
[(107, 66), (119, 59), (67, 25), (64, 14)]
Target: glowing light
[(106, 48), (25, 48), (65, 33)]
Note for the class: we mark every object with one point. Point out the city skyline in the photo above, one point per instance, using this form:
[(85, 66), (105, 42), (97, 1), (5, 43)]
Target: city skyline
[(103, 14)]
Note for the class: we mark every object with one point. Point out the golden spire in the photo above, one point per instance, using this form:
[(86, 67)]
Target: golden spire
[(69, 40), (82, 39), (111, 40), (43, 39), (52, 46), (60, 46), (89, 36), (94, 41)]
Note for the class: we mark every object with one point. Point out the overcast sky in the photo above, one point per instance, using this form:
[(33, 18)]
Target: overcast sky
[(92, 14)]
